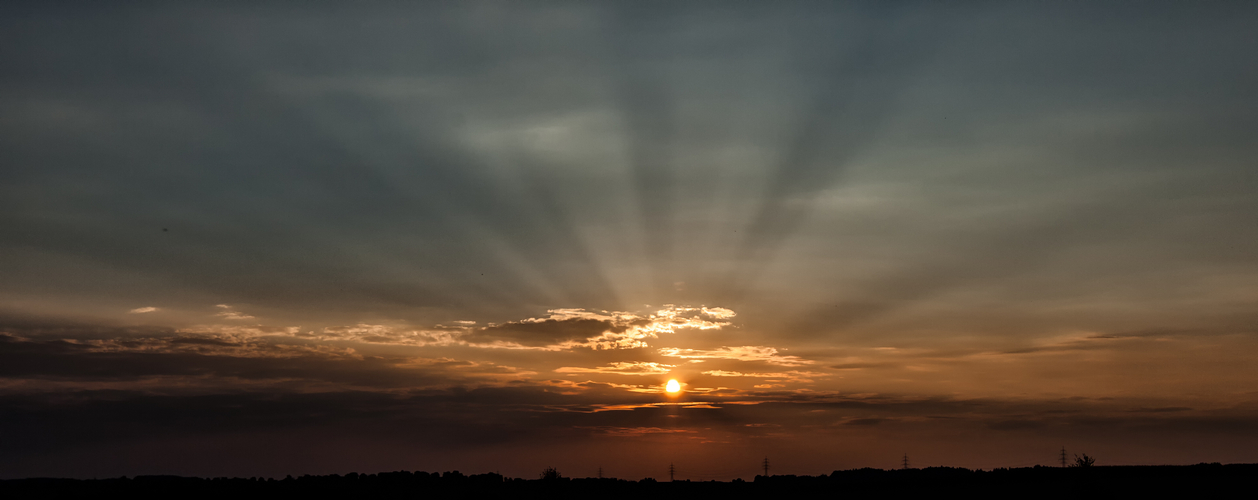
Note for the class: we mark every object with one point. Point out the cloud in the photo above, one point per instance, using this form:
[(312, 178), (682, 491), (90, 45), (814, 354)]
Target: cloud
[(228, 363), (637, 431), (362, 332), (564, 329), (1015, 425), (241, 330), (383, 334), (791, 376), (547, 332), (778, 160), (864, 421), (742, 353), (862, 366), (560, 329), (525, 412), (671, 318), (228, 312), (1163, 409), (185, 386), (623, 368), (719, 312), (142, 310), (27, 327)]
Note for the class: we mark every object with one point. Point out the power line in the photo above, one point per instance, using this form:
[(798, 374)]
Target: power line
[(671, 471), (766, 466), (1063, 456), (905, 463)]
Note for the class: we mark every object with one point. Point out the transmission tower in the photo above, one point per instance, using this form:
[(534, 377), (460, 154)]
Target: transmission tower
[(600, 472), (671, 470), (766, 466), (905, 464), (1063, 456)]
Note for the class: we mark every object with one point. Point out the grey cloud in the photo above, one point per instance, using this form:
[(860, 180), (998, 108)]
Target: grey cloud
[(865, 421), (27, 326), (1163, 409), (290, 179), (219, 360), (1014, 425), (495, 419), (862, 366), (541, 333), (969, 179)]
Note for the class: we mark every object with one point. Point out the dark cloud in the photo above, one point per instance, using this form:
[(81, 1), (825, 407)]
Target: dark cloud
[(541, 333), (493, 418), (221, 361), (862, 366), (972, 189), (865, 421), (28, 326), (463, 416), (1163, 409), (1014, 425), (325, 170)]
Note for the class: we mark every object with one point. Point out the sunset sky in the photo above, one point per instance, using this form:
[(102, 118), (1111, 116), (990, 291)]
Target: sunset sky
[(321, 237)]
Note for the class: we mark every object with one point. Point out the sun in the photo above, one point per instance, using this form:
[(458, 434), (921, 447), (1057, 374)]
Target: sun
[(672, 387)]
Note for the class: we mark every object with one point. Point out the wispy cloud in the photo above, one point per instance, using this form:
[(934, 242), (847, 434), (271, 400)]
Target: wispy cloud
[(142, 310), (384, 334), (559, 330), (622, 368), (742, 353), (637, 431), (564, 329), (791, 376), (229, 312), (719, 312)]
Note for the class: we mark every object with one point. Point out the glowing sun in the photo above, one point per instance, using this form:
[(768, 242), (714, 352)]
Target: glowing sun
[(672, 387)]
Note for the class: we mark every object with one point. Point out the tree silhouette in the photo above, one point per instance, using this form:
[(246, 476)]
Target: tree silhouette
[(1084, 461), (550, 474)]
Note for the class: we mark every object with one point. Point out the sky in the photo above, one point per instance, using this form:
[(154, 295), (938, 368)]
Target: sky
[(297, 238)]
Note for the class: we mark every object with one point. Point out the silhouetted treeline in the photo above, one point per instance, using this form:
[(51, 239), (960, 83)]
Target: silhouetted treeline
[(1035, 482)]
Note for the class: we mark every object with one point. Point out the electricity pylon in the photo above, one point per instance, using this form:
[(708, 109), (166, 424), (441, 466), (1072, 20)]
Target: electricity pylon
[(905, 464), (671, 471), (766, 466), (1063, 456)]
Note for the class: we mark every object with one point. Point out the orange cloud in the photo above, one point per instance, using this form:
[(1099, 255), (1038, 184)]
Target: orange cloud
[(637, 431), (742, 353), (565, 329), (228, 312), (622, 368), (792, 376)]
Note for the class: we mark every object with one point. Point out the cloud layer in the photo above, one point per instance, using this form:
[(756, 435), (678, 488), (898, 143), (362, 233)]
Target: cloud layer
[(240, 238)]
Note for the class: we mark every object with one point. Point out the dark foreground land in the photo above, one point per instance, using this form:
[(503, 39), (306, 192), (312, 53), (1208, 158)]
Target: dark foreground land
[(1034, 482)]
